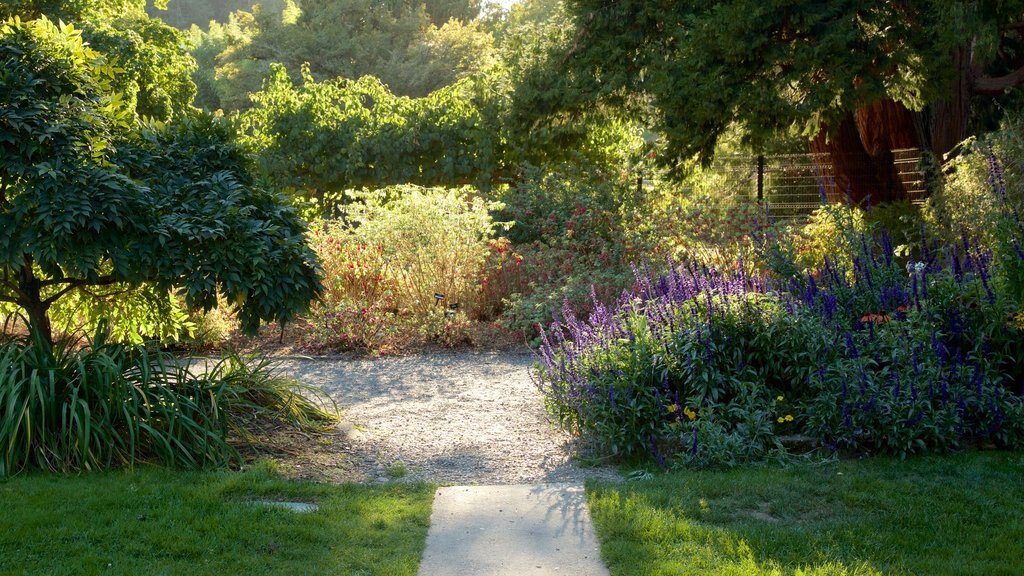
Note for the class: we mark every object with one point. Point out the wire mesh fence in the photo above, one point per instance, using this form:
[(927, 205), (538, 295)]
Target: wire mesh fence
[(792, 185)]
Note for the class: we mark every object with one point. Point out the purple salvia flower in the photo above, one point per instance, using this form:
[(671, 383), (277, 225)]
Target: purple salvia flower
[(977, 379), (887, 248), (851, 347), (657, 454)]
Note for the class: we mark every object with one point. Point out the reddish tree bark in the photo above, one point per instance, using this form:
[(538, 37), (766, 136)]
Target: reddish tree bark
[(859, 157), (860, 152)]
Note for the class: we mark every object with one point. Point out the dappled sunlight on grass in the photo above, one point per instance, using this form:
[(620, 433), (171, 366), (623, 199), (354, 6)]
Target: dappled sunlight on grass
[(954, 515), (160, 522)]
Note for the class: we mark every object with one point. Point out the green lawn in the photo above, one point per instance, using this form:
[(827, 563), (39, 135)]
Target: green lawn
[(160, 522), (961, 515)]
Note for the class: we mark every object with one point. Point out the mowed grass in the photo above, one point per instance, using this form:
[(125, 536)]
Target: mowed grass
[(956, 515), (162, 522)]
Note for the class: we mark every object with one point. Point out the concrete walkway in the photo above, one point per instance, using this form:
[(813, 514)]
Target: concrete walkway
[(531, 530)]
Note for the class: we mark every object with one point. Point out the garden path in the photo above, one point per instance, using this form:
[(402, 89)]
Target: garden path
[(471, 418)]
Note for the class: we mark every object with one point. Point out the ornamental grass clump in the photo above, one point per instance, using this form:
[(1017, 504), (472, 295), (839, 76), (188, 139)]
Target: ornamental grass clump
[(71, 408), (867, 353)]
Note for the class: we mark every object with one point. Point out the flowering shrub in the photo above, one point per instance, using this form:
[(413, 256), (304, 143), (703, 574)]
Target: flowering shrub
[(405, 265), (570, 232), (579, 229), (869, 353)]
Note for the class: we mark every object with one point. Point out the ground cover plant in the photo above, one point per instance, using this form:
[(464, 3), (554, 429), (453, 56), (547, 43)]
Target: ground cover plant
[(156, 521), (866, 352), (949, 515)]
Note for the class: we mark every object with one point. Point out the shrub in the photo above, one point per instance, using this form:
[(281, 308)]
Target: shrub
[(832, 233), (405, 260), (691, 352), (105, 405), (863, 352), (965, 202), (571, 233)]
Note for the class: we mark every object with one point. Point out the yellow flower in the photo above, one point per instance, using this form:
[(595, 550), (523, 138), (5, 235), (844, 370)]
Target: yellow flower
[(780, 398), (672, 409), (1018, 321), (781, 419), (789, 417), (689, 413)]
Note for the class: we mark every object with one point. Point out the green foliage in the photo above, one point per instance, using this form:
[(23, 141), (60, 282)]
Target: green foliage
[(207, 330), (183, 14), (89, 197), (696, 68), (580, 228), (218, 91), (833, 232), (326, 137), (133, 314), (902, 221), (412, 52), (982, 198), (867, 354), (705, 395), (437, 238), (153, 70)]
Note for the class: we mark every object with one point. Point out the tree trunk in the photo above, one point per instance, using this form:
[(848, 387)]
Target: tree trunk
[(859, 155), (30, 298), (860, 152), (947, 118)]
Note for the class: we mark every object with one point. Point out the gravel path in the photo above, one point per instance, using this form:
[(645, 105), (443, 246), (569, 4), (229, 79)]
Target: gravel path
[(453, 418)]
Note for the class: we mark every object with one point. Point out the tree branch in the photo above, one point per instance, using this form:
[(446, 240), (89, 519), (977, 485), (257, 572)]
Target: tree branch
[(988, 86), (78, 283), (101, 281)]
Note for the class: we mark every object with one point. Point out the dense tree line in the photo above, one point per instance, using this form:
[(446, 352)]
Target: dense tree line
[(398, 42)]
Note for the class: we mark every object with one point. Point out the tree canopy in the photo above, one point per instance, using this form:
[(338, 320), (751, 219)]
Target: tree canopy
[(155, 73), (322, 137), (805, 66), (91, 196), (399, 42)]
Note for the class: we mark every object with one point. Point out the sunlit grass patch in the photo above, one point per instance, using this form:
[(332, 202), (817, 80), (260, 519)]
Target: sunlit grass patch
[(154, 521), (961, 514)]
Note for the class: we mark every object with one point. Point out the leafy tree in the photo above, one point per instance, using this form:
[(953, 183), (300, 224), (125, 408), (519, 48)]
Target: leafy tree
[(90, 198), (544, 134), (394, 41), (183, 14), (323, 137), (858, 78), (443, 11), (155, 72)]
